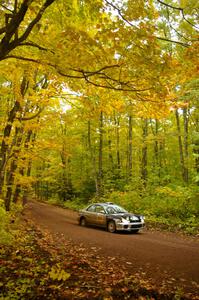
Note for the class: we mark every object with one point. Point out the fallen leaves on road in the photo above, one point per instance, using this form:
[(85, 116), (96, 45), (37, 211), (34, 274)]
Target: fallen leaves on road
[(42, 266)]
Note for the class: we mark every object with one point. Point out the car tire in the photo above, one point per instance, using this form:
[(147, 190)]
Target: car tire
[(82, 222), (111, 227)]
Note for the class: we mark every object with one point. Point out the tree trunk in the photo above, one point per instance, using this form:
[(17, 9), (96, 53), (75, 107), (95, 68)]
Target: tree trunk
[(130, 148), (100, 153), (144, 154), (196, 148), (22, 170), (110, 155), (117, 123), (4, 145), (7, 131), (13, 167), (156, 148), (156, 156), (186, 154), (92, 156), (180, 146)]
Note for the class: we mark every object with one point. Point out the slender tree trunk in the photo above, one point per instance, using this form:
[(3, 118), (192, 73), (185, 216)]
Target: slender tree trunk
[(92, 156), (144, 154), (10, 181), (196, 148), (17, 192), (64, 181), (186, 154), (22, 170), (25, 191), (180, 146), (130, 148), (117, 123), (110, 155), (69, 180), (100, 164), (156, 156), (156, 148)]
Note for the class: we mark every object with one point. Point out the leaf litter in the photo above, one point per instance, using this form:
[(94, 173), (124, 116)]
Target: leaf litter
[(44, 266)]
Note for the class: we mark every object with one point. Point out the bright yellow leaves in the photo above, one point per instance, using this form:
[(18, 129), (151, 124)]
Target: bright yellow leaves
[(56, 273)]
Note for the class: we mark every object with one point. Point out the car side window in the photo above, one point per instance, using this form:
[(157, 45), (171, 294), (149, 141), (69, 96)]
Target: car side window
[(110, 210), (91, 208), (99, 209)]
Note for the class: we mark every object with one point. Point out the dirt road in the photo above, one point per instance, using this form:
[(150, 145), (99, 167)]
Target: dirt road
[(156, 254)]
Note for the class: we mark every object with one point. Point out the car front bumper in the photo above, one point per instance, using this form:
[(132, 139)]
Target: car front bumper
[(129, 226)]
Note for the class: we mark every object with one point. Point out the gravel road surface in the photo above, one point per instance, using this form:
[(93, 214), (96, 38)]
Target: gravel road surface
[(157, 255)]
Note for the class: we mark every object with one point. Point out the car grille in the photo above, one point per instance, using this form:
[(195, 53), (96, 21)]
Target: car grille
[(136, 226)]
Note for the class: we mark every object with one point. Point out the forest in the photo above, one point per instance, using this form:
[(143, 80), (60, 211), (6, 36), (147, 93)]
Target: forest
[(99, 102)]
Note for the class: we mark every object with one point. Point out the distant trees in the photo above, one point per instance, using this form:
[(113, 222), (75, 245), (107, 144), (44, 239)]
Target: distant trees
[(155, 153)]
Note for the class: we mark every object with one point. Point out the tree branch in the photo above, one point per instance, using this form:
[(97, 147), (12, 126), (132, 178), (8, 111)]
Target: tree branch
[(170, 6), (7, 44), (179, 9), (123, 86), (35, 21), (120, 14), (172, 41), (11, 28), (190, 23), (91, 73), (6, 8), (31, 117), (31, 44), (161, 2)]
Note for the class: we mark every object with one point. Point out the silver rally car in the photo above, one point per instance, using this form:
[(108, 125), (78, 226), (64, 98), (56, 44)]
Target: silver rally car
[(110, 216)]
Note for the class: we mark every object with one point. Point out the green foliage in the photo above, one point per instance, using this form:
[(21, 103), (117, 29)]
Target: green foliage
[(23, 272), (75, 204), (69, 138), (176, 207)]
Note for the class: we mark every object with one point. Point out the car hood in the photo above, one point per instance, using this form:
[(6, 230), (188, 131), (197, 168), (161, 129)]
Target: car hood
[(125, 216)]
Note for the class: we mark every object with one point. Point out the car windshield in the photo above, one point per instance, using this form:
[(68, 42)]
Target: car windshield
[(115, 209)]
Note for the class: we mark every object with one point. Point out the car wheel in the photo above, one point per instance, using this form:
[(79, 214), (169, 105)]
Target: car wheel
[(83, 222), (111, 226)]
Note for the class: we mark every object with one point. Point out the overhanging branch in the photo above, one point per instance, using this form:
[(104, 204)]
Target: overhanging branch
[(111, 83), (170, 6), (7, 43), (179, 9), (32, 117), (172, 41)]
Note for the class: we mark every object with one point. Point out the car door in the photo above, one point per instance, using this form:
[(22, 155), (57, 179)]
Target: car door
[(91, 214), (101, 216)]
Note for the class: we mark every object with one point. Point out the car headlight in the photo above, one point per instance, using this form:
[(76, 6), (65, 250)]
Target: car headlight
[(142, 219), (121, 220), (118, 220), (125, 220)]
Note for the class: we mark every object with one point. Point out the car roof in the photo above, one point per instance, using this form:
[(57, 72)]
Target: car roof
[(104, 204)]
